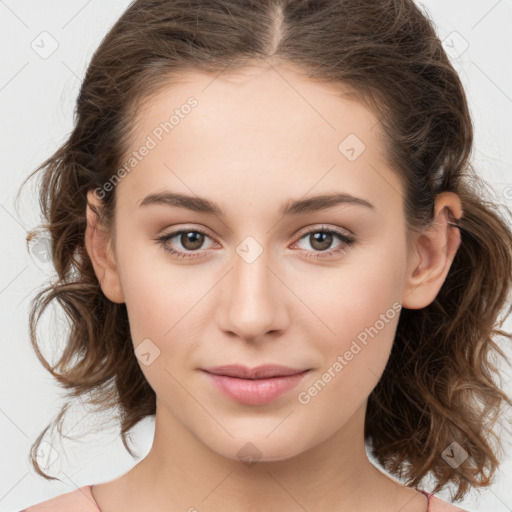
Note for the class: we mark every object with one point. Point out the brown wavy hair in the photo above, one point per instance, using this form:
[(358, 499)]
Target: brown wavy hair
[(438, 386)]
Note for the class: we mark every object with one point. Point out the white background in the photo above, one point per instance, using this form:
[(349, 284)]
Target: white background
[(37, 97)]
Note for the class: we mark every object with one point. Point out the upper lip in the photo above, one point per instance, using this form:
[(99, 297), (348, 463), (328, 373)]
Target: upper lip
[(258, 372)]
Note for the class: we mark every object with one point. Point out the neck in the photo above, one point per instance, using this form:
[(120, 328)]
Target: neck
[(333, 475)]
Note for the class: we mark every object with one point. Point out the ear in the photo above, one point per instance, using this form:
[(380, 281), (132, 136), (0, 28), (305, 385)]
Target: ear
[(433, 253), (98, 246)]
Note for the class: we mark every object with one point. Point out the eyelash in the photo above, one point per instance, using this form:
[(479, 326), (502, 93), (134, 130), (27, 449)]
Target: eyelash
[(347, 242)]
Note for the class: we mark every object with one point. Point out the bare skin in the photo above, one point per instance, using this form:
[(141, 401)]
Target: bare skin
[(256, 140)]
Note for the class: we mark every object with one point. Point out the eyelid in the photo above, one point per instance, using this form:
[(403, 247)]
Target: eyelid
[(324, 227), (297, 236), (177, 230)]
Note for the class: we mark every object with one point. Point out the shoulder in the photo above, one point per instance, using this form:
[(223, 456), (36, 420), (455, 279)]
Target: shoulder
[(79, 500), (439, 505)]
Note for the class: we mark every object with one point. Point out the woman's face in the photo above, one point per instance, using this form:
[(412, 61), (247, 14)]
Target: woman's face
[(261, 287)]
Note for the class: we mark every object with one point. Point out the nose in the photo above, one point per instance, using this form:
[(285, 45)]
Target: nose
[(253, 301)]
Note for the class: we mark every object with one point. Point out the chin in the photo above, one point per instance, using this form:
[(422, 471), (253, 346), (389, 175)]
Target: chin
[(258, 446)]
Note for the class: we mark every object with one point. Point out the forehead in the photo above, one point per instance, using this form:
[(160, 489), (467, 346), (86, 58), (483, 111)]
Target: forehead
[(273, 101), (263, 127)]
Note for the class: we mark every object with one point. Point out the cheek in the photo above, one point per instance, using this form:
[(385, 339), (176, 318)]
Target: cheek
[(161, 301), (354, 357), (158, 296), (359, 318), (355, 296)]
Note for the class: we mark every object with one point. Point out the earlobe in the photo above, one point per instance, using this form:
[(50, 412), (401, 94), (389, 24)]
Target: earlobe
[(98, 246), (434, 252)]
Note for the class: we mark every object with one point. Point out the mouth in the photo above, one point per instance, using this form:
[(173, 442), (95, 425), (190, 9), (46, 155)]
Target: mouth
[(259, 372), (254, 386)]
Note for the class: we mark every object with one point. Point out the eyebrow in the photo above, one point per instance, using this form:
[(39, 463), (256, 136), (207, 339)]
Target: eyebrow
[(292, 207)]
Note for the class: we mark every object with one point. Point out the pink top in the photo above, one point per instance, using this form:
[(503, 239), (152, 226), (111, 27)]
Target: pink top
[(82, 500), (436, 504)]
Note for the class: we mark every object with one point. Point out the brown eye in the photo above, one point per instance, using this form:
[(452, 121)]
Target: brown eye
[(321, 240), (191, 240)]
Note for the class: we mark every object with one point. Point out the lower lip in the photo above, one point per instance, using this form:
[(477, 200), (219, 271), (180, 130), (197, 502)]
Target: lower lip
[(255, 391)]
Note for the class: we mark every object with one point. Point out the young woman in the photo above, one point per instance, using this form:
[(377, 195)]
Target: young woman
[(267, 235)]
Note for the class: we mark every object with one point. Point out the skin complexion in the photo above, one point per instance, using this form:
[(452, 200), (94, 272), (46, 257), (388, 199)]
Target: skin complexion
[(250, 285)]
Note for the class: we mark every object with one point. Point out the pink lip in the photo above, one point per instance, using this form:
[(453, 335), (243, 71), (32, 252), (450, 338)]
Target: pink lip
[(254, 386)]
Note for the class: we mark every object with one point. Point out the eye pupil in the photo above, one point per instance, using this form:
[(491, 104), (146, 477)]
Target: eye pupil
[(325, 243)]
